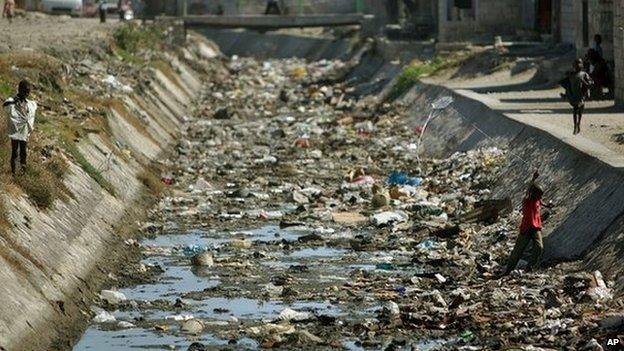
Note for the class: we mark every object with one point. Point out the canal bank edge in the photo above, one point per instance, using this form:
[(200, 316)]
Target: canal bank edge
[(54, 261)]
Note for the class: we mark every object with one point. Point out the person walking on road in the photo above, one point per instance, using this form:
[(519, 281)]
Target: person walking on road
[(530, 227), (20, 119), (8, 10), (578, 88)]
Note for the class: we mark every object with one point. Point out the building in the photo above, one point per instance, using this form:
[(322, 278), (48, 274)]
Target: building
[(618, 51), (481, 20), (580, 20), (419, 17)]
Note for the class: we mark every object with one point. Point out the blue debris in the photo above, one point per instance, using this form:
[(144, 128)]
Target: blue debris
[(401, 178), (192, 250)]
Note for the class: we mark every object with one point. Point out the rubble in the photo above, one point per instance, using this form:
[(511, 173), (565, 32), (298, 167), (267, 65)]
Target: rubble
[(112, 297), (202, 259), (192, 326)]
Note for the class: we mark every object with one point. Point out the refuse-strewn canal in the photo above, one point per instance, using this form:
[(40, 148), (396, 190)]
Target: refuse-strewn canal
[(145, 324), (300, 218)]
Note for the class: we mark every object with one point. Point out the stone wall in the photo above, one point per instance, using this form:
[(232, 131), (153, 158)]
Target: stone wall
[(489, 18)]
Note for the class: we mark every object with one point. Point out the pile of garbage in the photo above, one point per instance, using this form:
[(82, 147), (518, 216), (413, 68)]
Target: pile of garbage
[(408, 250)]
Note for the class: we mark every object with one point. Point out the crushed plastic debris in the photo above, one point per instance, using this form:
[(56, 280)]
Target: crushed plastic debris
[(112, 297), (104, 317)]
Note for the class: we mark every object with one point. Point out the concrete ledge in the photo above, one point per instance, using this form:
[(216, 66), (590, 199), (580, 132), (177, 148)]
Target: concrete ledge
[(276, 45), (274, 21)]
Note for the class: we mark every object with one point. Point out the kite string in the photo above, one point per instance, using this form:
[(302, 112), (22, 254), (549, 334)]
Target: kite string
[(492, 139), (432, 114)]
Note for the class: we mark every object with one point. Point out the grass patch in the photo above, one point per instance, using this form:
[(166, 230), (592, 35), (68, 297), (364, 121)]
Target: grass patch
[(6, 89), (58, 166), (43, 182), (133, 37), (39, 185), (127, 57), (72, 149), (41, 70), (151, 182), (418, 69), (5, 223)]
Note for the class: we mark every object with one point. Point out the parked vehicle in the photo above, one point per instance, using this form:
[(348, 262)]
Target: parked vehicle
[(68, 7)]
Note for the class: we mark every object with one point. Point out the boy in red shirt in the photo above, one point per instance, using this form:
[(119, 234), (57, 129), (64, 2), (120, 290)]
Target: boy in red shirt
[(530, 228)]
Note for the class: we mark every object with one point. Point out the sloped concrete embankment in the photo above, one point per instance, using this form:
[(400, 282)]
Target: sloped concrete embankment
[(278, 46), (371, 69), (48, 257), (588, 223)]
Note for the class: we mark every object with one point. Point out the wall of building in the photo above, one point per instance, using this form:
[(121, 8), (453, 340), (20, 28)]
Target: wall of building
[(618, 51), (570, 21), (418, 15), (491, 18), (600, 21)]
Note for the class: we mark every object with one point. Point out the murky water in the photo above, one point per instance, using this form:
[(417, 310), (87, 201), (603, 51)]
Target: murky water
[(179, 278), (159, 328)]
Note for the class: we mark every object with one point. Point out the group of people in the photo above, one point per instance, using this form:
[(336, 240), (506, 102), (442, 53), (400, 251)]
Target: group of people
[(587, 80)]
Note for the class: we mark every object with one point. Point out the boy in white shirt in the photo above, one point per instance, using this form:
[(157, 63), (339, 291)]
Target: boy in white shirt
[(20, 119)]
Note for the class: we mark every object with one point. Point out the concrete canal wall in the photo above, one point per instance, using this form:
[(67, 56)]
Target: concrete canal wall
[(50, 259)]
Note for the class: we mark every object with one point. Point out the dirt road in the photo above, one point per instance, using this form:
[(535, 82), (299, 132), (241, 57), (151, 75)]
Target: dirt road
[(542, 107), (37, 31)]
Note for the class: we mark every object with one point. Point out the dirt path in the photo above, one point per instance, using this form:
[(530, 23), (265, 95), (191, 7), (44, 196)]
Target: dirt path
[(37, 31), (602, 126)]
